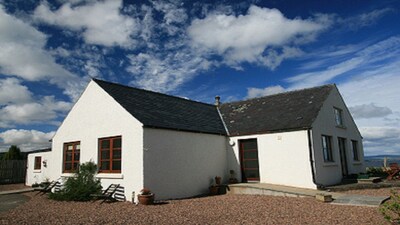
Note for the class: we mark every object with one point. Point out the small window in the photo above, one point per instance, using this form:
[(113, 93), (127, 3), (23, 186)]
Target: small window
[(110, 154), (356, 156), (338, 117), (38, 163), (72, 153), (327, 148)]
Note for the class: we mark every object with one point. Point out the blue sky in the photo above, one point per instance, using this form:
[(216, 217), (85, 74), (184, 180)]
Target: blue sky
[(49, 50)]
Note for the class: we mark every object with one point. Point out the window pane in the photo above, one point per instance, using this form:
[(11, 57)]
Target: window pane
[(105, 165), (70, 147), (78, 146), (355, 150), (68, 166), (105, 144), (117, 143), (76, 156), (116, 154), (75, 166), (116, 165), (68, 156), (105, 154)]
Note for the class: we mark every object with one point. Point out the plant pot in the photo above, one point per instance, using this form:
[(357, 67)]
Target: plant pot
[(214, 190), (218, 180), (146, 199)]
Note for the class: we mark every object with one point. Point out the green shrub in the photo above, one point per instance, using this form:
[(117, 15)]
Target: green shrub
[(391, 208), (81, 186), (376, 172)]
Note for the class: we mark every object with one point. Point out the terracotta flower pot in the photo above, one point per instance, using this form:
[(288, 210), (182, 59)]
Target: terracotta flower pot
[(146, 199)]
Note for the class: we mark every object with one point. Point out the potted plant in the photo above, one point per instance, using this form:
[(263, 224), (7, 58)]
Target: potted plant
[(232, 179), (218, 180), (146, 197), (214, 188)]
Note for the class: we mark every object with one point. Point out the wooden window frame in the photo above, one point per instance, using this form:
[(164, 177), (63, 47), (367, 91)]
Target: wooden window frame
[(38, 163), (327, 150), (73, 160), (356, 153), (110, 159), (338, 117)]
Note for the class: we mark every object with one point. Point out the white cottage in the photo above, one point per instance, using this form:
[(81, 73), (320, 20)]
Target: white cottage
[(175, 147)]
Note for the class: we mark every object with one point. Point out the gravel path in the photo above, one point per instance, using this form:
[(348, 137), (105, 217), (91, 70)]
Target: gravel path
[(225, 209)]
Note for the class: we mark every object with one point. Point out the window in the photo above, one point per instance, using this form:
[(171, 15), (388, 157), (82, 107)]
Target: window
[(38, 163), (327, 148), (110, 154), (338, 117), (354, 145), (71, 156)]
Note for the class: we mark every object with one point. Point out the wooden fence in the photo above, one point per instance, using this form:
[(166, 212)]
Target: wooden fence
[(12, 171)]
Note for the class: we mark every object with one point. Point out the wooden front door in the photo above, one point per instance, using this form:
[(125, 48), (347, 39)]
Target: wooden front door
[(249, 160), (343, 158)]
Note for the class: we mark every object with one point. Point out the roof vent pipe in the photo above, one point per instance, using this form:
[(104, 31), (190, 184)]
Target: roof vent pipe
[(217, 101)]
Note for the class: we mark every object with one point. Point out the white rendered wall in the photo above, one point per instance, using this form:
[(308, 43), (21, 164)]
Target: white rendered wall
[(181, 164), (283, 158), (329, 173), (96, 115), (37, 176)]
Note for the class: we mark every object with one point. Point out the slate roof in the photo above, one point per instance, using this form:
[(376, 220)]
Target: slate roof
[(39, 150), (281, 112), (164, 111)]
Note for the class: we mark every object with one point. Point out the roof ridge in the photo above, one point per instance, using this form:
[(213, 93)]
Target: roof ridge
[(153, 92), (282, 93)]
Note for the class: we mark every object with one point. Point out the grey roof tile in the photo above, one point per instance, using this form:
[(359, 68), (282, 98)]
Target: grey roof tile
[(280, 112), (164, 111)]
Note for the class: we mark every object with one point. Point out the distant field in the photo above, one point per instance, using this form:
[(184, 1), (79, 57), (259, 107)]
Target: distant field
[(377, 161)]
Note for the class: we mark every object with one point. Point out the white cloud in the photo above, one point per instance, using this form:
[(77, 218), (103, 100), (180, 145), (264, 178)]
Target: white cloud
[(378, 86), (255, 36), (100, 21), (173, 15), (364, 19), (258, 92), (376, 53), (165, 72), (22, 54), (27, 140), (11, 91), (45, 110), (369, 111)]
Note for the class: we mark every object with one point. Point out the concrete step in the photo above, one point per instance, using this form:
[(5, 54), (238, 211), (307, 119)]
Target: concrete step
[(360, 200)]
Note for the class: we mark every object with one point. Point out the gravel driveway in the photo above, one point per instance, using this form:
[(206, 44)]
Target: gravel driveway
[(225, 209)]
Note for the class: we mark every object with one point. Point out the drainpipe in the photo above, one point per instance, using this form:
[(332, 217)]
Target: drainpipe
[(312, 161)]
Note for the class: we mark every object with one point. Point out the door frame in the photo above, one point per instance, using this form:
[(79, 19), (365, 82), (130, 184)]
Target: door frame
[(241, 159)]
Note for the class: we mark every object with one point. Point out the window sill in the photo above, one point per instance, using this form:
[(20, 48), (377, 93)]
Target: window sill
[(110, 175), (330, 164), (37, 171), (357, 163), (341, 126), (67, 175)]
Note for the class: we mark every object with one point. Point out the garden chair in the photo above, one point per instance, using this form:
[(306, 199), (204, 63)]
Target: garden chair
[(393, 171), (107, 194), (48, 187)]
